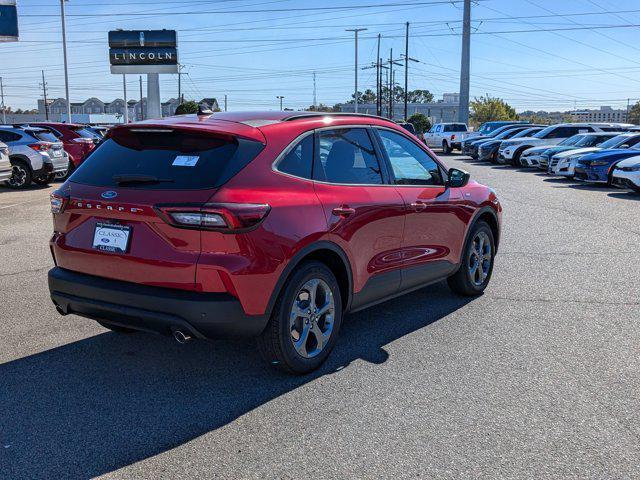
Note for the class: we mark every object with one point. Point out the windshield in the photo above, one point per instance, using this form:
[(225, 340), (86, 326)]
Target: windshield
[(542, 133), (572, 140), (615, 141), (591, 140), (507, 133), (528, 132)]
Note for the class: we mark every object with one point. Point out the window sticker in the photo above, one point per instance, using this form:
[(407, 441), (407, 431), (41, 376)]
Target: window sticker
[(185, 161)]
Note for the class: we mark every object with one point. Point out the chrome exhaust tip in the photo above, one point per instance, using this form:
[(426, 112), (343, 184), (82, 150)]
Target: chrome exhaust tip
[(181, 337)]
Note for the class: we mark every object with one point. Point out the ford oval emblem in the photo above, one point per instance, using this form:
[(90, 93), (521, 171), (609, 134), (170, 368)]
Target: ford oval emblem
[(109, 194)]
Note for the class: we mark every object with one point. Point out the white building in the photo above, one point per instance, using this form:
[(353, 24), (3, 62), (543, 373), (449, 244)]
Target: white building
[(603, 114)]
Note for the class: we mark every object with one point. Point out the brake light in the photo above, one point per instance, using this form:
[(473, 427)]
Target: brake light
[(40, 146), (58, 202), (214, 216), (453, 137)]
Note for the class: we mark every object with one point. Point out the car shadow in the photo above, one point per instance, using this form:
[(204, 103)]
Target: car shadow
[(625, 195), (93, 406)]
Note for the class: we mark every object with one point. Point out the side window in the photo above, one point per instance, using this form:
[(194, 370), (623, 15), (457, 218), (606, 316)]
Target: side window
[(9, 137), (410, 164), (299, 159), (346, 155)]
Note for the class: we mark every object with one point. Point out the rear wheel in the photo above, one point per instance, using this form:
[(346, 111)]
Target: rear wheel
[(446, 149), (64, 174), (305, 322), (20, 176), (515, 161), (477, 262)]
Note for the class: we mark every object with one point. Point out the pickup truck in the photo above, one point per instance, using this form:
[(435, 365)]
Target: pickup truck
[(446, 136)]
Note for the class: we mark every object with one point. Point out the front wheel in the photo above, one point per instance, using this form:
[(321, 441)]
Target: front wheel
[(446, 149), (305, 322), (477, 262)]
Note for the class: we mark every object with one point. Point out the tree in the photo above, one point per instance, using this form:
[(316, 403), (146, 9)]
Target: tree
[(322, 108), (420, 96), (369, 96), (420, 122), (187, 107), (488, 109), (634, 114)]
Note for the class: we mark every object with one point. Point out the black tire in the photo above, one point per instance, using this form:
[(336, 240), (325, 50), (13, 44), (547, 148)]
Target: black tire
[(276, 343), (116, 328), (515, 161), (44, 179), (462, 282), (446, 149), (494, 158), (21, 176)]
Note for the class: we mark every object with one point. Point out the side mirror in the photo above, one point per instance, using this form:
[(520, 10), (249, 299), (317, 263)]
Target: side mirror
[(457, 178)]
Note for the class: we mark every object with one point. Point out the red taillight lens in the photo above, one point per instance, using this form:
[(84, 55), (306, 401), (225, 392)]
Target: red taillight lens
[(453, 137), (58, 202), (219, 216), (40, 146)]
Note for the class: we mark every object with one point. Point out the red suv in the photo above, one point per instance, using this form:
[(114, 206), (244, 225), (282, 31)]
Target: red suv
[(77, 139), (271, 224)]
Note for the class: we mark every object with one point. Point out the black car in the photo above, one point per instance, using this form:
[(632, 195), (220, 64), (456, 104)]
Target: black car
[(466, 146), (488, 149)]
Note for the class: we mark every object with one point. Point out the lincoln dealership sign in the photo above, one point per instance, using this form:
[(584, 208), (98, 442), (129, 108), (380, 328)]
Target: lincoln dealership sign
[(143, 51), (8, 21)]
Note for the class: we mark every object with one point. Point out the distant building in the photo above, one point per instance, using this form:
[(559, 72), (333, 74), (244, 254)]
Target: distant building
[(603, 114), (444, 110)]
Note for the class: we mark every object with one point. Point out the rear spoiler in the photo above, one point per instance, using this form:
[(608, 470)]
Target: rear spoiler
[(206, 126)]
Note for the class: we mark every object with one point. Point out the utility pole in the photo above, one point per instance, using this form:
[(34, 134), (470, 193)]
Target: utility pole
[(463, 113), (407, 59), (315, 98), (391, 82), (44, 94), (378, 81), (280, 97), (355, 31), (225, 102), (141, 104), (126, 105), (64, 53), (4, 113), (180, 67), (626, 119)]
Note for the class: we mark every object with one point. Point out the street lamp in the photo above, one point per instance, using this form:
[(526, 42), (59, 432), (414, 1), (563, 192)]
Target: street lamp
[(280, 97)]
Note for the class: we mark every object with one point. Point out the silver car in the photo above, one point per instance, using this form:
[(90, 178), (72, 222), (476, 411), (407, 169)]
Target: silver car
[(5, 163), (36, 155)]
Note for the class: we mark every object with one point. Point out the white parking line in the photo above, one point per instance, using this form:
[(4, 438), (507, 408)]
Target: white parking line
[(21, 203)]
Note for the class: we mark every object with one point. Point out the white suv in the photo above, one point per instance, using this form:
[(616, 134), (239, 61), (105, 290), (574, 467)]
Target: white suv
[(446, 136), (511, 150)]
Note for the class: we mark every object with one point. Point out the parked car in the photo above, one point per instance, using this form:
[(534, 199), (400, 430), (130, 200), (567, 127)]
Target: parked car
[(626, 174), (539, 156), (597, 167), (488, 149), (445, 136), (35, 155), (77, 139), (99, 130), (487, 127), (469, 146), (511, 150), (203, 226), (564, 163), (5, 163)]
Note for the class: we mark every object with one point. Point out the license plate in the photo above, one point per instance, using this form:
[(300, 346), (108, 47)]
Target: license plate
[(57, 153), (111, 238)]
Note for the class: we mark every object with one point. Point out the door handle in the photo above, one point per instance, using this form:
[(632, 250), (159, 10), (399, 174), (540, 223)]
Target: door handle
[(418, 206), (343, 211)]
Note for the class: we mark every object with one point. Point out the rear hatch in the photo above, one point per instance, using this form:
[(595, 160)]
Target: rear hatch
[(113, 223), (55, 148)]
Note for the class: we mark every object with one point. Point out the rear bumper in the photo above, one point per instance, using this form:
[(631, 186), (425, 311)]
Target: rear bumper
[(153, 309)]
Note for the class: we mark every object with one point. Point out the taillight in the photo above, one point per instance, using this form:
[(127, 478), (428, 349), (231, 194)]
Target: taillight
[(453, 137), (58, 202), (40, 146), (214, 216)]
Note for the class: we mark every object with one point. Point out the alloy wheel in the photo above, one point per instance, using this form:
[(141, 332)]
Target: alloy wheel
[(480, 258), (311, 319), (18, 176)]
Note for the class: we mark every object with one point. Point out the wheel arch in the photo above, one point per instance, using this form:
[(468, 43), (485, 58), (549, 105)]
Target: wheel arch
[(490, 217), (329, 253), (21, 158)]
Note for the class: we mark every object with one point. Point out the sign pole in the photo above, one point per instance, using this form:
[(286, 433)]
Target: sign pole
[(64, 52), (126, 105), (154, 109)]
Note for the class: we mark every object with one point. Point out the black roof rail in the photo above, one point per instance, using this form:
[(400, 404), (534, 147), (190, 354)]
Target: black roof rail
[(301, 115)]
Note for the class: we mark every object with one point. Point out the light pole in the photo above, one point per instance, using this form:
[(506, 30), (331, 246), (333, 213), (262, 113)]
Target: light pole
[(355, 96), (126, 105), (64, 53), (463, 112), (280, 97)]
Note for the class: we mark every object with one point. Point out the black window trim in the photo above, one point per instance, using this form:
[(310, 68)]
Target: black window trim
[(443, 170)]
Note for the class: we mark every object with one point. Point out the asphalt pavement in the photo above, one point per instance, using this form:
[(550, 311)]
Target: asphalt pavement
[(538, 378)]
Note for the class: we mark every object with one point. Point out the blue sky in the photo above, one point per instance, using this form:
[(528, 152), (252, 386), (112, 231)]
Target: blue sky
[(254, 50)]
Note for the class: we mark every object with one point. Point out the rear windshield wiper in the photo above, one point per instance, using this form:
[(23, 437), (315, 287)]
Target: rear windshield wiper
[(135, 178)]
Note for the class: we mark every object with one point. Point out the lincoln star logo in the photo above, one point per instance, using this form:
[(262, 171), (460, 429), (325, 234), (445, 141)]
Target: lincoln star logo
[(109, 194)]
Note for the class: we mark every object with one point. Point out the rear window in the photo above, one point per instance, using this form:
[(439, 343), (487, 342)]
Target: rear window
[(86, 133), (455, 127), (179, 160), (43, 135)]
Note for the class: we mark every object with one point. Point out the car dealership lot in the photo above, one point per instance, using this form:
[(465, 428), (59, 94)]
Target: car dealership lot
[(539, 377)]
